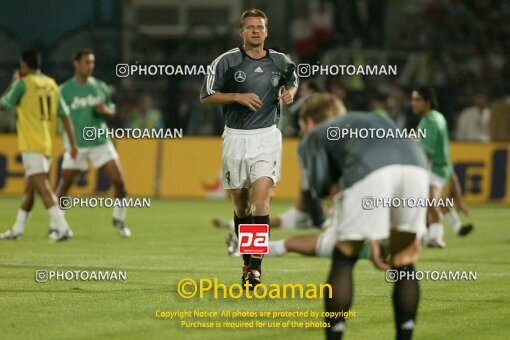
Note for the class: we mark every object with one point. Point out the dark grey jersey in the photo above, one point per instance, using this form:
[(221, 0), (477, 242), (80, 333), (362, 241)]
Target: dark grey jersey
[(236, 72), (326, 160)]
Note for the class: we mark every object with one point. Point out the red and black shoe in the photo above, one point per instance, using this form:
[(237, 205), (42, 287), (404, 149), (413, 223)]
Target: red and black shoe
[(253, 278)]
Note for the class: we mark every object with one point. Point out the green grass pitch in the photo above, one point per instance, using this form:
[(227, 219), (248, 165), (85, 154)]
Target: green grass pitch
[(174, 240)]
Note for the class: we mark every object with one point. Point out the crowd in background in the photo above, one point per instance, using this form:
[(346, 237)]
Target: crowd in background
[(461, 48)]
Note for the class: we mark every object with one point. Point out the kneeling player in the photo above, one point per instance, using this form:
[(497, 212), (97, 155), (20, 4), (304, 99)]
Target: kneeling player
[(378, 168)]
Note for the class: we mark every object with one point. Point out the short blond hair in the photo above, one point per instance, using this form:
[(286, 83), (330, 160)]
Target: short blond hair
[(252, 13), (322, 106)]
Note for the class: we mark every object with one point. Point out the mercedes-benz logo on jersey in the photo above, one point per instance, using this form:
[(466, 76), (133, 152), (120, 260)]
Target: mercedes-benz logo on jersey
[(240, 76)]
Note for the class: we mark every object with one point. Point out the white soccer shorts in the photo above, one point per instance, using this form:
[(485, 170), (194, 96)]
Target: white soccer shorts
[(249, 155), (97, 155), (352, 222), (35, 163)]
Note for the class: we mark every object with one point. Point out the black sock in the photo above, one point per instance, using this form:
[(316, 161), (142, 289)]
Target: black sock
[(256, 259), (406, 295), (243, 220), (340, 279)]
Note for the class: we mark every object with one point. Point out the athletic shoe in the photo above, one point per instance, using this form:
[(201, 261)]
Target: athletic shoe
[(221, 224), (252, 278), (232, 246), (465, 229), (11, 235), (55, 236), (122, 227), (245, 273), (435, 243)]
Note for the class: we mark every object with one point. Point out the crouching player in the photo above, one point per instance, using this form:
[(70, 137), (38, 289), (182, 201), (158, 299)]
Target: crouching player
[(379, 168)]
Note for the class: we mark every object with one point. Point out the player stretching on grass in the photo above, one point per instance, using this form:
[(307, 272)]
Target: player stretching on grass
[(437, 147), (90, 103), (38, 103), (249, 82), (383, 168)]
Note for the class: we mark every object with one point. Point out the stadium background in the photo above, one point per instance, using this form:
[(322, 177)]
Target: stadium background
[(459, 47)]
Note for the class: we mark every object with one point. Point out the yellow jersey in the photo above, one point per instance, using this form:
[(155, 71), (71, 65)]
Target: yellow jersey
[(38, 104)]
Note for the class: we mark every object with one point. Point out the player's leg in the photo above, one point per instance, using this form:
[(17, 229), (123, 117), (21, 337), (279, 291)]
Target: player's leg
[(404, 251), (260, 196), (435, 220), (66, 181), (242, 215), (408, 224), (114, 173), (450, 214), (27, 203), (42, 186)]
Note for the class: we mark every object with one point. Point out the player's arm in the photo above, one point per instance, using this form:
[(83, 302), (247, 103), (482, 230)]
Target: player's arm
[(291, 82), (63, 113), (213, 93), (13, 94), (107, 107), (456, 192), (247, 99)]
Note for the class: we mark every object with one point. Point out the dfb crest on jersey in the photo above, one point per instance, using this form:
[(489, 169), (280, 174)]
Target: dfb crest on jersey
[(275, 80)]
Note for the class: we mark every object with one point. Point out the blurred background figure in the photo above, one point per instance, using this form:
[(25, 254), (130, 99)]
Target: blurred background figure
[(306, 89), (145, 116), (473, 122)]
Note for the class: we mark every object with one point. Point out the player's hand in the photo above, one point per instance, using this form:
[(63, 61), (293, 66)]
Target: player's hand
[(249, 99), (74, 151), (102, 109), (377, 255), (286, 96)]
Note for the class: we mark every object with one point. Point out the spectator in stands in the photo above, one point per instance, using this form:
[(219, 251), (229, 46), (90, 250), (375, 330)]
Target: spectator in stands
[(145, 116), (473, 122)]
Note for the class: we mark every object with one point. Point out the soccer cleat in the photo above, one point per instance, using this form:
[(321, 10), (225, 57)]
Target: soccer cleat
[(245, 273), (253, 277), (465, 229), (221, 224), (55, 236), (122, 227), (11, 235), (435, 243), (232, 246)]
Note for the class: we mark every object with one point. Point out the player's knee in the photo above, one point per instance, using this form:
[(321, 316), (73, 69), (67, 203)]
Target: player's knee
[(260, 207), (407, 256)]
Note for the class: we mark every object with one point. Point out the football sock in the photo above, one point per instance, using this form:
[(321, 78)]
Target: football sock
[(406, 295), (21, 221), (57, 219), (277, 248), (340, 279), (119, 213), (436, 231), (453, 218), (256, 259), (243, 220)]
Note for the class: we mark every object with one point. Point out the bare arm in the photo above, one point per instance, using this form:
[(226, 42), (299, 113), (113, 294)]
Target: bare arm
[(68, 127), (247, 99)]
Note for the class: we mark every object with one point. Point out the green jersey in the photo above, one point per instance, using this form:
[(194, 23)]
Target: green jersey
[(81, 100), (436, 144)]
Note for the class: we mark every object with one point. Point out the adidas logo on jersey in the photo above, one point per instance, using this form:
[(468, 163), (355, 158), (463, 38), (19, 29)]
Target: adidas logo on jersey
[(258, 70)]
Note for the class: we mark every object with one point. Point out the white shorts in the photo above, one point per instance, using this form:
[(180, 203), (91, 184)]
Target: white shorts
[(35, 163), (249, 155), (97, 155), (352, 222), (326, 243), (436, 181)]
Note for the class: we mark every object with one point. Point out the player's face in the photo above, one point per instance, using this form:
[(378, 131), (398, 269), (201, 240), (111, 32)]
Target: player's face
[(419, 105), (254, 31), (85, 66), (23, 68)]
